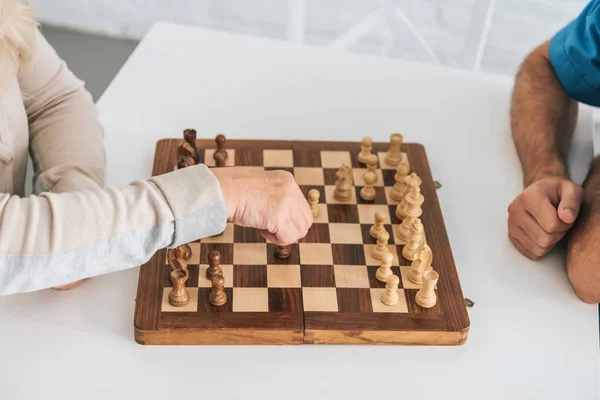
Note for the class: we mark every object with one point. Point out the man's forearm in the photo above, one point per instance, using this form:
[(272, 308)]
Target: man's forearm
[(543, 118)]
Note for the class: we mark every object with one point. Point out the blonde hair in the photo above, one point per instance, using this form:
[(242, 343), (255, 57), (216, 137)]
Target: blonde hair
[(17, 36)]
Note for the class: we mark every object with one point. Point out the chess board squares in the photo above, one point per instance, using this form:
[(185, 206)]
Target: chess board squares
[(195, 258), (317, 276), (393, 218), (335, 159), (192, 306), (204, 305), (320, 299), (368, 239), (374, 283), (379, 196), (348, 254), (309, 176), (307, 158), (388, 177), (249, 254), (316, 254), (351, 276), (227, 275), (366, 213), (384, 165), (358, 173), (345, 233), (209, 161), (354, 300), (342, 213), (368, 249), (388, 199), (243, 234), (249, 276), (317, 233), (284, 276), (278, 158), (224, 249), (250, 299), (249, 157), (329, 189), (379, 307), (285, 299), (225, 237), (293, 259)]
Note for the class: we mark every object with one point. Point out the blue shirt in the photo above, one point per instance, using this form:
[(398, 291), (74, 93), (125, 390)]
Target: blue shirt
[(575, 55)]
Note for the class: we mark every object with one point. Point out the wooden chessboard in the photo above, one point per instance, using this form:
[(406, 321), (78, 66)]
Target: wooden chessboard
[(326, 291)]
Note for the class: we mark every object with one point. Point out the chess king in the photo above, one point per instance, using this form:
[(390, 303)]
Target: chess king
[(61, 130)]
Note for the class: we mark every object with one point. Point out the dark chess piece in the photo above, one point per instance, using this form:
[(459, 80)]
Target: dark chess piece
[(283, 252), (179, 296), (217, 296), (220, 155), (214, 265)]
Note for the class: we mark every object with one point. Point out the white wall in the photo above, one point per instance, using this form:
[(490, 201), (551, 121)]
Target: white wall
[(462, 33)]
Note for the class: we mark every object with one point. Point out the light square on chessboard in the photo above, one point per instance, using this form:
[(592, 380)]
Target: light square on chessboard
[(250, 253), (209, 161), (309, 176), (389, 200), (250, 299), (335, 159), (319, 299), (384, 165), (345, 233), (366, 213), (194, 259), (227, 275), (225, 237), (283, 276), (373, 261), (358, 173), (351, 276), (329, 189), (278, 158), (192, 306), (379, 307), (316, 254)]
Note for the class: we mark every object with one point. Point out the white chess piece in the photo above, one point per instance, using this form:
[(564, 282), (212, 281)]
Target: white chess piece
[(368, 192), (416, 237), (400, 187), (394, 154), (385, 269), (378, 225), (390, 295), (365, 149), (421, 264), (381, 246), (426, 296), (313, 200)]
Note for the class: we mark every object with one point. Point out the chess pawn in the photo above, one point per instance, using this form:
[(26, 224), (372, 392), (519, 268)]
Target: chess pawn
[(381, 247), (422, 263), (413, 183), (426, 296), (394, 154), (283, 252), (390, 295), (220, 155), (365, 149), (372, 164), (313, 201), (415, 239), (385, 269), (378, 225), (343, 184), (214, 265), (400, 187), (217, 296), (368, 192), (179, 296)]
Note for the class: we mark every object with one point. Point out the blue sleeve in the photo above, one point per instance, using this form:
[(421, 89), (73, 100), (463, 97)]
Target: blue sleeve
[(575, 55)]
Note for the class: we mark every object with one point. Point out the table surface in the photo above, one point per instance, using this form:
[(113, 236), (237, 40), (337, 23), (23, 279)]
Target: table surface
[(530, 336)]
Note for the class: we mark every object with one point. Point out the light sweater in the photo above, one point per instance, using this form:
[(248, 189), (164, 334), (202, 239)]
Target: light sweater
[(72, 227)]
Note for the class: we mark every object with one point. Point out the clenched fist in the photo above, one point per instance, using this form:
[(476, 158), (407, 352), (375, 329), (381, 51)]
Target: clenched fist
[(542, 214), (267, 200)]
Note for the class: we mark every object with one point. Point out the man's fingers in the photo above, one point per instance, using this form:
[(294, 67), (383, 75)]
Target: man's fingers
[(538, 204), (538, 235), (522, 249), (269, 236), (570, 201), (533, 250)]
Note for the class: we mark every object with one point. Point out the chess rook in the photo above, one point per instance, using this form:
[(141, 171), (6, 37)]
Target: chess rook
[(400, 187), (378, 225), (179, 296), (283, 252), (390, 295), (365, 149), (220, 155), (313, 201), (214, 265), (217, 296), (426, 296), (416, 237), (368, 192), (343, 184), (385, 268), (394, 154), (422, 263), (381, 247)]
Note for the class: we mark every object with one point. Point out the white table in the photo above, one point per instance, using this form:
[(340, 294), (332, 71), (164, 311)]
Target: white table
[(530, 336)]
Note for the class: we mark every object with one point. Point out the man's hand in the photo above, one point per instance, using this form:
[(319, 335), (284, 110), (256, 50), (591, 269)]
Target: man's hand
[(267, 200), (542, 214)]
